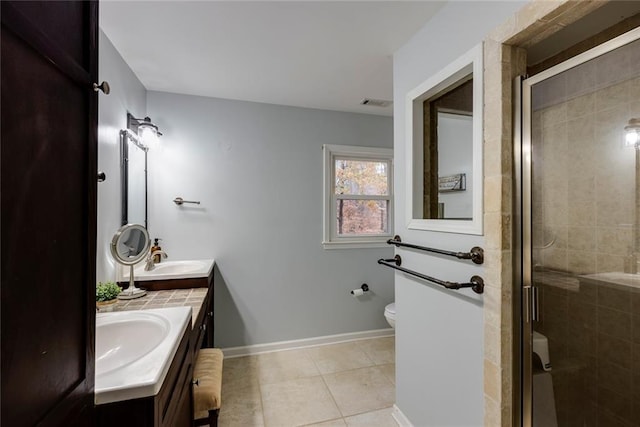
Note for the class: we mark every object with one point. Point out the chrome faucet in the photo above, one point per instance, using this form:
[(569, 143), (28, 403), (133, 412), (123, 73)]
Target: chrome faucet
[(150, 264)]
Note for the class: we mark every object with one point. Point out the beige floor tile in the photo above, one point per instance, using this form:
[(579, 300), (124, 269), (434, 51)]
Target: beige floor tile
[(331, 423), (285, 365), (361, 390), (297, 402), (339, 357), (389, 371), (240, 372), (241, 407), (379, 418), (380, 350)]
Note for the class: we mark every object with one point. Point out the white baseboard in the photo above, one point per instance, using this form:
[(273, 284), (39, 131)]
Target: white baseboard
[(400, 418), (306, 342)]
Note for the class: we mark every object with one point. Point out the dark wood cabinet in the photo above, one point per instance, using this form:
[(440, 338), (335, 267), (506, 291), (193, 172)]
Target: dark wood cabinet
[(174, 401), (48, 196), (202, 334)]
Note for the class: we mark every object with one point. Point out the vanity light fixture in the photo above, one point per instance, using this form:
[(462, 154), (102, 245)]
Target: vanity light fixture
[(133, 137), (147, 132), (632, 133)]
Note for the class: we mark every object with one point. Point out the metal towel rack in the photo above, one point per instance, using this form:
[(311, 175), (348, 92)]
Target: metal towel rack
[(180, 201), (476, 254), (476, 283)]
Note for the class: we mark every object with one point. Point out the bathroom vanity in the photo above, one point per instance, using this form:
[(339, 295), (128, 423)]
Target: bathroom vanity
[(172, 404)]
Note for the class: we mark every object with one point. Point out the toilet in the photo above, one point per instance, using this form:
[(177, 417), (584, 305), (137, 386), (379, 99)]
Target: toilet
[(390, 314), (541, 348), (544, 405)]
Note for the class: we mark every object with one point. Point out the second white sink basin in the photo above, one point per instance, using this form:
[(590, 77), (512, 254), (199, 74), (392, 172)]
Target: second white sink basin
[(178, 267), (167, 270), (121, 340)]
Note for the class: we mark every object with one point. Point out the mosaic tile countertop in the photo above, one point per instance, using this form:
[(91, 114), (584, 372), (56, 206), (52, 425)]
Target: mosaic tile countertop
[(169, 298)]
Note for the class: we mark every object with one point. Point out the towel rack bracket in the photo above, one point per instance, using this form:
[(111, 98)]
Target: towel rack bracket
[(397, 260), (478, 284), (477, 254)]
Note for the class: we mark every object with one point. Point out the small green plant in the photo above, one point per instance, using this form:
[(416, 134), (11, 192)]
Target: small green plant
[(107, 291)]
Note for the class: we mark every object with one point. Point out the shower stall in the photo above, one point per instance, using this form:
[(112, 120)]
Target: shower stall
[(579, 159)]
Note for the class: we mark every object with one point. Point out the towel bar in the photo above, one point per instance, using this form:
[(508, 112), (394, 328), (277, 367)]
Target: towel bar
[(476, 283), (476, 254)]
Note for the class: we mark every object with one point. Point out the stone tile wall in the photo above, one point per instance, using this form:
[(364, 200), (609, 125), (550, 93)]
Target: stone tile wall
[(504, 57)]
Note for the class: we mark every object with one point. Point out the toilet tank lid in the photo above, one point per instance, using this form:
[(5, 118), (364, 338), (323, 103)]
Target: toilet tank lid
[(391, 308)]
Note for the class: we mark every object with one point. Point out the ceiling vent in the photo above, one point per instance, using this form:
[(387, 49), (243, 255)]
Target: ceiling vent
[(375, 102)]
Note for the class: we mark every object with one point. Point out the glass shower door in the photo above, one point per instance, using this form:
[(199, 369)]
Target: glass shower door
[(581, 244)]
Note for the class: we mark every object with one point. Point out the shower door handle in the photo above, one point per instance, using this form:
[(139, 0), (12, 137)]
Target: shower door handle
[(526, 304), (531, 305), (535, 306)]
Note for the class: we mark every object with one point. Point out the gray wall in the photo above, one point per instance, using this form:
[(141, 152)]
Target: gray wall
[(257, 169), (127, 94), (439, 350)]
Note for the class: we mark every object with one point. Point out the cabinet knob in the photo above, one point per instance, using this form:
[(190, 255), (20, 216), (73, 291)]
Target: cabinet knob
[(195, 382), (104, 87), (101, 176), (203, 327), (211, 314)]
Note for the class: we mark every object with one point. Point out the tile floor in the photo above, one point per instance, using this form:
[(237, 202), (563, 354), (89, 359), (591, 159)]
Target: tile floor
[(346, 384)]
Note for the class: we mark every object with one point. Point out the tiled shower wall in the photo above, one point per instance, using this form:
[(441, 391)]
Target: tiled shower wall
[(584, 215), (584, 177)]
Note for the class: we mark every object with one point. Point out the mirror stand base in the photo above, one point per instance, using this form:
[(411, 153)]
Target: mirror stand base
[(132, 293)]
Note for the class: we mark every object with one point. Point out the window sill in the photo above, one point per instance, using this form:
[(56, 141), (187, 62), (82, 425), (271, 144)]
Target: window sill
[(356, 245)]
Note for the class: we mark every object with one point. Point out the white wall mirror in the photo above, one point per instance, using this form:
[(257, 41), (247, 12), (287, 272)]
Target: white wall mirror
[(444, 149), (133, 175)]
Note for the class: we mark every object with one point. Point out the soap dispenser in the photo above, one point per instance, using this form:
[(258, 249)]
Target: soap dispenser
[(156, 247)]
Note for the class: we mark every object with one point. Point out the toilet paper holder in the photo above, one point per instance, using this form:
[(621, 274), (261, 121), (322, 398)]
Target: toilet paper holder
[(364, 288)]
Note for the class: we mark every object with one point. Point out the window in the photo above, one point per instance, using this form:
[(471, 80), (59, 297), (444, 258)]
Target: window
[(358, 196)]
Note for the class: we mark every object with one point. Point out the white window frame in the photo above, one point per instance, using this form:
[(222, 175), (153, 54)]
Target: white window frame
[(331, 239)]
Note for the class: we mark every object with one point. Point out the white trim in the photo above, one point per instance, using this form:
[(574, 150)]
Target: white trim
[(471, 61), (361, 197), (400, 418), (356, 245), (330, 239), (306, 342)]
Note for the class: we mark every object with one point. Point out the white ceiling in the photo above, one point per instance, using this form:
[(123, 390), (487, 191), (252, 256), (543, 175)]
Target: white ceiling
[(316, 54)]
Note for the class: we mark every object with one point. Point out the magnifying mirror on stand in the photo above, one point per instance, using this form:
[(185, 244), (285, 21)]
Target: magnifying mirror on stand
[(129, 246)]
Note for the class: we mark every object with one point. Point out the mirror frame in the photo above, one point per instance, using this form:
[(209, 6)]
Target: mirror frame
[(469, 63), (116, 239), (124, 172)]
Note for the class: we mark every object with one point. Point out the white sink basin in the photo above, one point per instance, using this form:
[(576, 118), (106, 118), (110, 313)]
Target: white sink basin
[(179, 267), (134, 350), (166, 270), (121, 340)]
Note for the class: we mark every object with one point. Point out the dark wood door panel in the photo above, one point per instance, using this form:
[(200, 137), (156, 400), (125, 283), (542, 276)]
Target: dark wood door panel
[(69, 33), (48, 195), (44, 260)]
